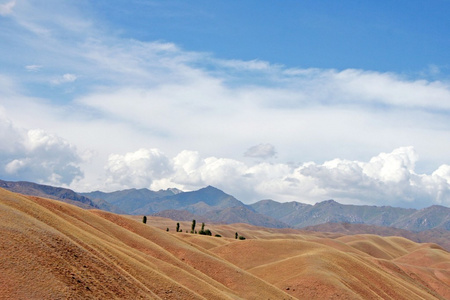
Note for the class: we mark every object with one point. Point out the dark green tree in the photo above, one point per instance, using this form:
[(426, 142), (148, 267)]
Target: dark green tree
[(193, 226), (202, 231), (144, 220), (178, 227), (236, 235)]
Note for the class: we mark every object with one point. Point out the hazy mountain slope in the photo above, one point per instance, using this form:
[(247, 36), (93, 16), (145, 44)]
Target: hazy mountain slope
[(301, 215), (62, 194), (197, 202), (180, 215), (242, 214), (239, 214), (131, 199), (277, 210), (435, 216), (331, 211)]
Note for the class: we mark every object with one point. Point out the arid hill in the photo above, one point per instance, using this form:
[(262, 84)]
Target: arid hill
[(53, 250), (438, 236)]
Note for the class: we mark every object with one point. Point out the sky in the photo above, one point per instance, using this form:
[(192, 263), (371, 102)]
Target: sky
[(291, 101)]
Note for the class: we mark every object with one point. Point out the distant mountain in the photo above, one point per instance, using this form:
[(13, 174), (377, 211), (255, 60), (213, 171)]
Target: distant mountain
[(243, 214), (46, 191), (131, 200), (277, 210), (208, 204), (300, 215), (197, 202), (214, 205), (180, 215), (230, 215), (433, 217)]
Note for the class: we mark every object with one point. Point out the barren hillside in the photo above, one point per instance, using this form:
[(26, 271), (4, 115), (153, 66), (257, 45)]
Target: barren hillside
[(53, 250)]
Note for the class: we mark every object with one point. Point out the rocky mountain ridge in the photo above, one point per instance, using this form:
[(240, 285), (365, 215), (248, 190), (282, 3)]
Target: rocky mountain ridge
[(214, 205)]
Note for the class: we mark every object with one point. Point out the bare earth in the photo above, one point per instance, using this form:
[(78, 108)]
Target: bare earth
[(53, 250)]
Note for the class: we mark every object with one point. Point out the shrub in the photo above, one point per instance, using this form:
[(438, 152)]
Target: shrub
[(241, 237), (217, 235)]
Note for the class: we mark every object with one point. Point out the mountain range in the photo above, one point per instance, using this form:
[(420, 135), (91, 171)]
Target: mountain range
[(213, 205)]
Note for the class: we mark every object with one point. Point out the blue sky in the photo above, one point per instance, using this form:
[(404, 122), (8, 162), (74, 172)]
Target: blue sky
[(293, 100), (387, 36)]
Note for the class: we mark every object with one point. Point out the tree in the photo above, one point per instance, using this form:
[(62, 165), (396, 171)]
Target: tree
[(144, 220), (205, 232), (236, 235), (178, 227), (193, 226), (202, 231), (167, 229)]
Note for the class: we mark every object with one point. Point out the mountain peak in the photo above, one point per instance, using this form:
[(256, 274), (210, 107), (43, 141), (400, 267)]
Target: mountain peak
[(211, 189), (328, 202)]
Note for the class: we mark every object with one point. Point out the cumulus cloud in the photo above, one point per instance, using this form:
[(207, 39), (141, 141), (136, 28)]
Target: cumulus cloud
[(261, 151), (386, 179), (137, 169), (36, 155)]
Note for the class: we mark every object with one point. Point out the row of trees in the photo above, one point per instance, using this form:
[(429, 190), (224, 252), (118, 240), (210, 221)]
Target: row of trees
[(202, 230)]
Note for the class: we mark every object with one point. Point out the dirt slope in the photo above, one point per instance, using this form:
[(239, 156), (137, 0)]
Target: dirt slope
[(53, 250)]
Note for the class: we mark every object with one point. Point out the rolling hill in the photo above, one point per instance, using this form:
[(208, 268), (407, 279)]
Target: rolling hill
[(438, 236), (54, 250)]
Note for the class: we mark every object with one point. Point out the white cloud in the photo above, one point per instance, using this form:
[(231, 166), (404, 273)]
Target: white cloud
[(140, 95), (395, 167), (386, 179), (36, 155), (137, 169), (33, 68), (261, 151), (66, 78), (7, 8)]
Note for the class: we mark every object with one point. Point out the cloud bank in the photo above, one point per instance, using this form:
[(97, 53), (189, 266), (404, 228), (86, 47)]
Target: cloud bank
[(151, 114), (386, 179), (36, 155)]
